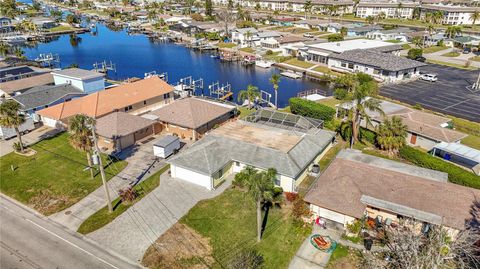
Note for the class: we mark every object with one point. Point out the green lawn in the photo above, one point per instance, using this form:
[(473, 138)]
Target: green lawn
[(229, 222), (472, 141), (226, 45), (326, 70), (433, 49), (102, 217), (475, 58), (54, 178), (249, 50), (331, 101), (340, 252), (61, 28), (393, 41), (298, 63), (244, 111), (451, 54), (451, 64)]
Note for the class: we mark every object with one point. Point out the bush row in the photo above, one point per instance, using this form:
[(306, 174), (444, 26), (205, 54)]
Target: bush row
[(455, 174), (311, 109)]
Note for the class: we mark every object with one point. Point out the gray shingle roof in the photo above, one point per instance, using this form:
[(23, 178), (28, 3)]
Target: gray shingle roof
[(45, 95), (213, 152), (385, 61), (119, 124)]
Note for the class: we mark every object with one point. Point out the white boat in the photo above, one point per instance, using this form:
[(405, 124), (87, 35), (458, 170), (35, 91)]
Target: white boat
[(291, 74), (264, 64)]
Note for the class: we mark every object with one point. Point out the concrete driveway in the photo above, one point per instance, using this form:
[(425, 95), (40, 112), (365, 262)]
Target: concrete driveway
[(6, 146), (136, 229), (141, 164)]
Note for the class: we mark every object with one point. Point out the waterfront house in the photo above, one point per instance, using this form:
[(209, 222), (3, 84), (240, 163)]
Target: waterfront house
[(267, 139), (135, 98), (452, 14), (244, 36), (190, 118), (86, 80), (384, 67), (5, 25), (13, 87), (424, 129), (40, 97), (356, 186), (18, 72), (398, 34), (119, 130), (44, 22)]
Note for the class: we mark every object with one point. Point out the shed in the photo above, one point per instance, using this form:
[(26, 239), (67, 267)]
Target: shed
[(166, 146), (459, 154)]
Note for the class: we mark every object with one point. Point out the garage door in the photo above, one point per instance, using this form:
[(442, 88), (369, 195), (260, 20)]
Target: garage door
[(192, 177), (126, 141)]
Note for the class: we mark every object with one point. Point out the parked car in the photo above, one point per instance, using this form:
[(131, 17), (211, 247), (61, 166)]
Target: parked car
[(467, 50), (429, 77), (309, 35), (420, 59)]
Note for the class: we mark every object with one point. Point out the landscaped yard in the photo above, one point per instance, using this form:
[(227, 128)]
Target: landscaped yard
[(244, 111), (249, 50), (330, 101), (326, 70), (433, 49), (54, 178), (61, 28), (451, 54), (226, 45), (344, 257), (298, 63), (228, 223), (472, 141), (102, 217)]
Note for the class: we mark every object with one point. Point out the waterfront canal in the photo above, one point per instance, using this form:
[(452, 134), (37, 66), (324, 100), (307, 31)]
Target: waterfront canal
[(136, 54)]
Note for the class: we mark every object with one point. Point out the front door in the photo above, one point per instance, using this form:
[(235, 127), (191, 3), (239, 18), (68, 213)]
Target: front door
[(413, 139)]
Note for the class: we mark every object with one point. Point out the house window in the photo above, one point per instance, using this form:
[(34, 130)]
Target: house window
[(144, 102), (277, 181), (344, 64), (350, 66), (166, 95)]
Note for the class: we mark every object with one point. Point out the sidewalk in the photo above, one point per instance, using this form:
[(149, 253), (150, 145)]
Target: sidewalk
[(141, 164)]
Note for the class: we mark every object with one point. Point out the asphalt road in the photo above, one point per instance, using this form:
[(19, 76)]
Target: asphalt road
[(449, 95), (31, 241)]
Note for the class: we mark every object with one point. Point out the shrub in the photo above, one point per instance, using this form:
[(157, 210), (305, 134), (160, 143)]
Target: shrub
[(128, 194), (414, 53), (335, 37), (354, 227), (340, 93), (197, 17), (455, 174), (311, 109), (417, 106), (291, 196), (300, 209), (16, 146), (239, 179), (367, 135), (269, 52)]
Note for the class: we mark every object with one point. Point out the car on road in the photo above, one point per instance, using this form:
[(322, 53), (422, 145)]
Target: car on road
[(420, 59), (429, 77), (309, 35)]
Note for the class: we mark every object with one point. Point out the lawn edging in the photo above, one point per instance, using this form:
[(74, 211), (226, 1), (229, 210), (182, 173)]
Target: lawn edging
[(101, 218)]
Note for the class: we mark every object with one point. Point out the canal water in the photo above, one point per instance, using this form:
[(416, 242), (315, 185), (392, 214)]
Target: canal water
[(134, 55)]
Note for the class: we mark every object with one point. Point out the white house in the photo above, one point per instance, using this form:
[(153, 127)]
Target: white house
[(399, 34), (402, 10), (452, 14), (232, 147), (84, 80), (244, 36)]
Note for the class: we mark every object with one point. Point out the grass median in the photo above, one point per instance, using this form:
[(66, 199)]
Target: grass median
[(102, 217)]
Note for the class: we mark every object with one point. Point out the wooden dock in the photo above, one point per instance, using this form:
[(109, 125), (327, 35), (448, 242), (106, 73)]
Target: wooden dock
[(290, 74)]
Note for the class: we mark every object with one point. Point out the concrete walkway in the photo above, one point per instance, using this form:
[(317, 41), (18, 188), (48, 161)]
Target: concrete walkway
[(141, 164), (136, 229)]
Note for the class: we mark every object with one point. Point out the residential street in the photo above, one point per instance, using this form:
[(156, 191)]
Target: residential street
[(30, 241)]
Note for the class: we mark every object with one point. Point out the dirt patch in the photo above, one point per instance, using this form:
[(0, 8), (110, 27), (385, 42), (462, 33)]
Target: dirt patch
[(179, 247), (47, 202)]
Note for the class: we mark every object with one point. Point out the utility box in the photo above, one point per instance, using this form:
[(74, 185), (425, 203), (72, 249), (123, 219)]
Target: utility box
[(166, 146)]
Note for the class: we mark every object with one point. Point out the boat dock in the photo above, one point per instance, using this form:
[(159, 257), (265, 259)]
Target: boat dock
[(291, 74)]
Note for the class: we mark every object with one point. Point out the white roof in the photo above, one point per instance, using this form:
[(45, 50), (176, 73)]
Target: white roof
[(460, 150), (342, 46)]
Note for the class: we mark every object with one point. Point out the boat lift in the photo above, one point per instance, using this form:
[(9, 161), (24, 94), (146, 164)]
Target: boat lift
[(264, 98), (48, 59), (188, 84), (104, 67), (223, 92), (163, 76)]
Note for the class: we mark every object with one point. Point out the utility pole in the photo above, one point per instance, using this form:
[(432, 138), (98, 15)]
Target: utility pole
[(102, 172)]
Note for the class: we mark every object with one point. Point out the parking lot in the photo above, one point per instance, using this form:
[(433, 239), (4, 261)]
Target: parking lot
[(449, 95)]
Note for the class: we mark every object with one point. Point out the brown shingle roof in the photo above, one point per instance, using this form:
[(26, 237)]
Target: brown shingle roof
[(103, 102), (12, 86), (191, 112), (120, 124), (343, 183)]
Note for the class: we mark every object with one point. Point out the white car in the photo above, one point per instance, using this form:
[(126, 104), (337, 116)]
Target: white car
[(308, 35), (429, 77)]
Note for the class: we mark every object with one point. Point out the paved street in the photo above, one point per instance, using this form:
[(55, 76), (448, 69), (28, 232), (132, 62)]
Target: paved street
[(449, 95), (28, 240)]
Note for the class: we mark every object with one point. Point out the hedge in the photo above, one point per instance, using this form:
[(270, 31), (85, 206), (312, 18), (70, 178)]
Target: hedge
[(311, 109), (456, 174)]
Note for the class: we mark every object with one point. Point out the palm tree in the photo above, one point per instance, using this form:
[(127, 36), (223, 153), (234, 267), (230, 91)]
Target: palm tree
[(80, 135), (370, 19), (19, 52), (260, 187), (11, 117), (248, 37), (453, 31), (418, 41), (437, 17), (4, 49), (307, 7), (275, 80), (430, 29), (475, 16), (249, 94), (391, 134)]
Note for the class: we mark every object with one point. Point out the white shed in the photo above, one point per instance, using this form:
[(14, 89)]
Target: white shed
[(166, 146)]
